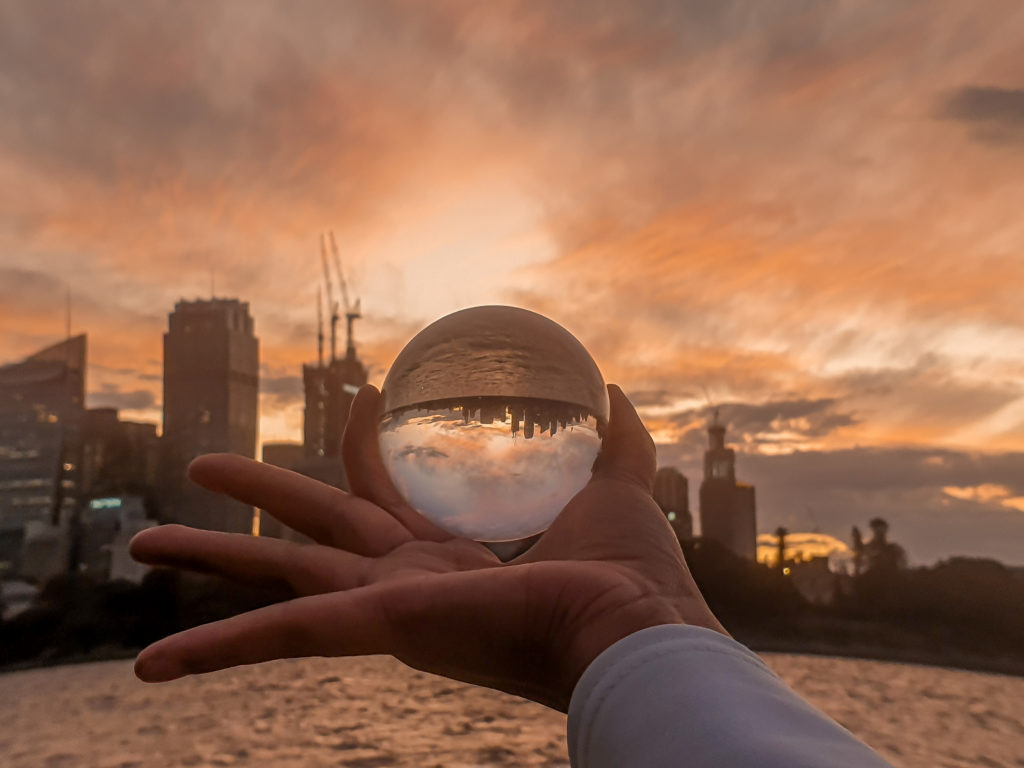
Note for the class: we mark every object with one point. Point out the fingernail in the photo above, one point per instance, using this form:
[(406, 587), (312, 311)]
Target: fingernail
[(154, 669)]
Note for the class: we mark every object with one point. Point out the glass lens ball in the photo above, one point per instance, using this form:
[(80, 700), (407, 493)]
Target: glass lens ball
[(491, 419)]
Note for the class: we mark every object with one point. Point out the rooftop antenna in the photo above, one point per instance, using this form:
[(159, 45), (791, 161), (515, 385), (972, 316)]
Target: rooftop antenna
[(67, 316), (332, 305), (213, 283), (352, 311)]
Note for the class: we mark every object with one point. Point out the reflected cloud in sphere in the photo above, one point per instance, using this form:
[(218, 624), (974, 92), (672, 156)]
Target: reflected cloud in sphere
[(482, 480)]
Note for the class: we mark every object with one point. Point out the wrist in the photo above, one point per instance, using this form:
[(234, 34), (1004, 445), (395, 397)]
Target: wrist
[(593, 638), (606, 629)]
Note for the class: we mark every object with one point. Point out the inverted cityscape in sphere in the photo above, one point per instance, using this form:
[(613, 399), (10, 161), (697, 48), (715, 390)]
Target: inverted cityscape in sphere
[(491, 469)]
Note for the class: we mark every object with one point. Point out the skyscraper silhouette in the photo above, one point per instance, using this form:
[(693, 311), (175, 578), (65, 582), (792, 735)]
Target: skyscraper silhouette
[(211, 404), (727, 508)]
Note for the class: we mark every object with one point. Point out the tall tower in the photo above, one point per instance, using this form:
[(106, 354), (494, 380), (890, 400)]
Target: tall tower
[(211, 403), (727, 508)]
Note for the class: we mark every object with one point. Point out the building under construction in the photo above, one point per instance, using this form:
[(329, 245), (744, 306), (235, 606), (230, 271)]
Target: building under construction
[(331, 384), (530, 416)]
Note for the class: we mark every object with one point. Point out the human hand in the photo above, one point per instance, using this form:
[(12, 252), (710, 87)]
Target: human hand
[(382, 579)]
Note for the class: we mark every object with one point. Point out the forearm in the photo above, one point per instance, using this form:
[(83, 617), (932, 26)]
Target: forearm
[(686, 696)]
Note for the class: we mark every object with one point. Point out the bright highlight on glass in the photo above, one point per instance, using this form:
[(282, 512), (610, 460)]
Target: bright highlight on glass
[(492, 418)]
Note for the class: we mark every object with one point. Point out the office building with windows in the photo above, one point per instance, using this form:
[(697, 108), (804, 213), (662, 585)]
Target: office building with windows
[(210, 405), (41, 418)]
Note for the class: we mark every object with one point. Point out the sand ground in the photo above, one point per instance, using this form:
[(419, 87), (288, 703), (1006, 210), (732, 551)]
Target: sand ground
[(363, 713)]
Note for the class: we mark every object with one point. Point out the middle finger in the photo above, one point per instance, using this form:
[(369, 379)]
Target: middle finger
[(309, 569)]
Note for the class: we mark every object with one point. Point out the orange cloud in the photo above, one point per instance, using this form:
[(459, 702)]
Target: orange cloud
[(777, 205)]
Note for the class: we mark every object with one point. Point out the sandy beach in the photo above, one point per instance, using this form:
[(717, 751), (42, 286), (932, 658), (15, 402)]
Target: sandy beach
[(363, 713)]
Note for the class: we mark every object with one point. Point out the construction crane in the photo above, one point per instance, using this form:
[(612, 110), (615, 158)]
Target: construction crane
[(352, 312), (320, 326), (332, 305)]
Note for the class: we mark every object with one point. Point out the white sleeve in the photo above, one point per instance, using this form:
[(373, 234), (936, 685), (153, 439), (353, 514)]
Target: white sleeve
[(686, 697)]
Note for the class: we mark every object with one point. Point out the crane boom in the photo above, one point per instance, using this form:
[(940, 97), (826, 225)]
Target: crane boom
[(320, 327), (352, 311), (332, 305), (340, 272)]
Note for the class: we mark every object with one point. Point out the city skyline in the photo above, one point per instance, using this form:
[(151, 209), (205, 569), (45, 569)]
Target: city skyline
[(813, 216), (685, 456)]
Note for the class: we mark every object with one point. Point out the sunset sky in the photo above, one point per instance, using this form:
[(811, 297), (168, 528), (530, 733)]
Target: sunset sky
[(811, 210)]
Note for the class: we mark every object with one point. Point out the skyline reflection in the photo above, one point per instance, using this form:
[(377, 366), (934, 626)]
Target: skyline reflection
[(491, 469)]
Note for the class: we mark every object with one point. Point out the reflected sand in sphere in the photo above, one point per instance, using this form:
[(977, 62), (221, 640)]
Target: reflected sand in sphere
[(490, 468)]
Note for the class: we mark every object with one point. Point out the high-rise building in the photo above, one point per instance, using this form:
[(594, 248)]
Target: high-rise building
[(672, 493), (41, 413), (727, 508), (211, 404)]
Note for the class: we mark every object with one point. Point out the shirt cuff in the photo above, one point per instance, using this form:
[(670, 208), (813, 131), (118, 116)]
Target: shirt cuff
[(676, 695)]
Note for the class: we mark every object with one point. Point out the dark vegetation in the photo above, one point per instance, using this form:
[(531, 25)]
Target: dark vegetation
[(963, 612)]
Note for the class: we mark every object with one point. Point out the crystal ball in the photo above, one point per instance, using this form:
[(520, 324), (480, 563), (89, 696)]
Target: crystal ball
[(491, 419)]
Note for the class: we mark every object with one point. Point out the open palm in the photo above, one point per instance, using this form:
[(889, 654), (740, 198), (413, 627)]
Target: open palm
[(381, 578)]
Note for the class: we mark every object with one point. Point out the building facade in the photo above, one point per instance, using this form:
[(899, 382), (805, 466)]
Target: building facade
[(106, 524), (41, 418), (672, 493), (118, 456), (330, 390), (287, 456), (211, 405), (728, 511)]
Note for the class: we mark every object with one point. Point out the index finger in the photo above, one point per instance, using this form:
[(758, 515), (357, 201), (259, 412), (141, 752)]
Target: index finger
[(324, 513), (295, 628)]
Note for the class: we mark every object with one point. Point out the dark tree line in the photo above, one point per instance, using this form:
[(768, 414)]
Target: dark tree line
[(960, 612)]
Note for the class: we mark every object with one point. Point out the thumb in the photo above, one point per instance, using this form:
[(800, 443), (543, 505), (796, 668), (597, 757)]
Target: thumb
[(627, 452)]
